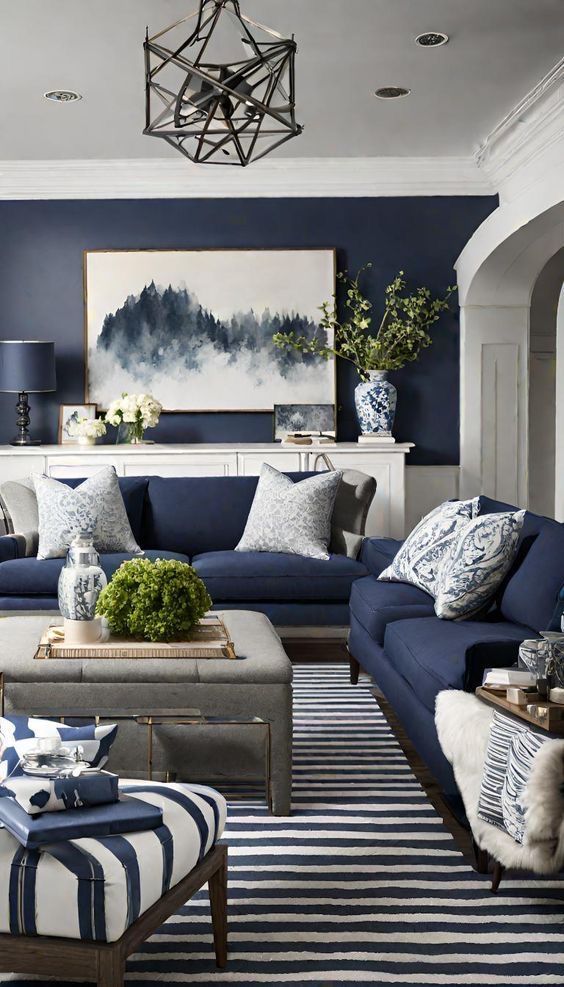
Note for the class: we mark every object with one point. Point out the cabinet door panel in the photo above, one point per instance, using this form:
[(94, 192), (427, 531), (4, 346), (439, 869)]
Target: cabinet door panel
[(78, 466), (219, 465), (287, 462)]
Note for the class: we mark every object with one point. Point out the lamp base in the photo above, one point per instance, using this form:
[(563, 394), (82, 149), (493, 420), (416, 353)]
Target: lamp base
[(23, 437), (25, 441)]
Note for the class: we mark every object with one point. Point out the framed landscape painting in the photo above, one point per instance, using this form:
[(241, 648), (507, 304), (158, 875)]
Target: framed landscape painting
[(194, 327)]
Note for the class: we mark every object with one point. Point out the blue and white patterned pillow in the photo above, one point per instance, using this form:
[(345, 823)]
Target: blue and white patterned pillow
[(420, 557), (36, 795), (503, 731), (19, 734), (96, 506), (522, 752), (476, 564)]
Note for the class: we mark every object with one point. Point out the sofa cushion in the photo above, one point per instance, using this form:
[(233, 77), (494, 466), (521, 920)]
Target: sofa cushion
[(276, 576), (39, 577), (434, 654), (531, 594), (375, 604)]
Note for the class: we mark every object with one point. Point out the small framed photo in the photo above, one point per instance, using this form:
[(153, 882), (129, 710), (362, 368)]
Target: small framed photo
[(70, 413), (317, 420)]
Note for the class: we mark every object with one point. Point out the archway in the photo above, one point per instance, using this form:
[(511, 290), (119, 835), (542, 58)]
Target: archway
[(542, 386), (497, 273)]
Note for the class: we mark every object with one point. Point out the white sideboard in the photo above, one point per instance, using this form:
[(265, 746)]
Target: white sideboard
[(386, 463)]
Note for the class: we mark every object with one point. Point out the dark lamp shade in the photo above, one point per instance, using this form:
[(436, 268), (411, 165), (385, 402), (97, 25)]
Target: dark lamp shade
[(27, 366)]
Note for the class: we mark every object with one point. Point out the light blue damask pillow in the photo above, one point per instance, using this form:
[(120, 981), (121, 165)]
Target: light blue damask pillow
[(420, 557), (291, 517), (476, 564), (95, 506)]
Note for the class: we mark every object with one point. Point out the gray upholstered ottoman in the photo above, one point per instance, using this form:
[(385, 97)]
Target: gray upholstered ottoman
[(256, 684)]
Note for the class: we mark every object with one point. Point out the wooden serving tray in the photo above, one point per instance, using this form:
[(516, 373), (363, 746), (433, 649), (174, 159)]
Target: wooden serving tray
[(209, 639), (538, 712)]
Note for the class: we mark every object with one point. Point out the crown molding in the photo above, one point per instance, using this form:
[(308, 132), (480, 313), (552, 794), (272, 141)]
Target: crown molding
[(529, 140), (156, 178)]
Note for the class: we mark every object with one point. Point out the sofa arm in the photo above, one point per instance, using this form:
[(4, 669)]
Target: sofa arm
[(12, 547), (488, 654), (377, 553)]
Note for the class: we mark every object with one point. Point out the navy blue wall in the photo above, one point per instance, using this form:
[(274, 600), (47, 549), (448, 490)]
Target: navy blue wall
[(41, 297)]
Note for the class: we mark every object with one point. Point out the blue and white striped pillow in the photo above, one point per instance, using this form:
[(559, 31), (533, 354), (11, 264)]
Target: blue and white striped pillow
[(522, 751), (19, 734), (502, 732)]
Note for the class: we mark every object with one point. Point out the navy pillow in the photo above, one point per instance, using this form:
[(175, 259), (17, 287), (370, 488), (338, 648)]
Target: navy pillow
[(133, 489), (531, 594)]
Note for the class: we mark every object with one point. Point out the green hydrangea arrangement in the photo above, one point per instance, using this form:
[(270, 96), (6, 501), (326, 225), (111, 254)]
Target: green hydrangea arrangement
[(157, 601)]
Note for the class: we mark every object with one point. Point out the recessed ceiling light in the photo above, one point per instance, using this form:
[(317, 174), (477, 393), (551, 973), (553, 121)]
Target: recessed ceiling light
[(431, 39), (62, 96), (392, 92)]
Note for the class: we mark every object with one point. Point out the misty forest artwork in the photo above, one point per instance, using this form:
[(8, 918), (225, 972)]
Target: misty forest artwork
[(194, 327)]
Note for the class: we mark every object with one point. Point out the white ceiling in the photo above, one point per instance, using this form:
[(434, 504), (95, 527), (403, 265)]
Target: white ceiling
[(499, 50)]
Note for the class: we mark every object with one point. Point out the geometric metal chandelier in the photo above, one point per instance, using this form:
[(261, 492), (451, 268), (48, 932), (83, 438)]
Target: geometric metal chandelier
[(225, 94)]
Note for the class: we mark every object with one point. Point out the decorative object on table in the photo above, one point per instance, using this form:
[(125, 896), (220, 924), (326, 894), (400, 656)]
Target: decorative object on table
[(26, 367), (75, 791), (20, 734), (127, 815), (209, 638), (95, 506), (157, 601), (203, 322), (423, 552), (87, 430), (317, 420), (476, 564), (69, 416), (225, 93), (528, 654), (399, 339), (132, 414), (291, 517), (81, 581)]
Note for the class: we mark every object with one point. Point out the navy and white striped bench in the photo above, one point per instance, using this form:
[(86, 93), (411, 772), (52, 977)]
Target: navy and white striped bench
[(94, 900)]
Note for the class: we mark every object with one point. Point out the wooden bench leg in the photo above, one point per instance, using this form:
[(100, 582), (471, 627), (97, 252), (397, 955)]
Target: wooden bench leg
[(481, 859), (218, 902), (497, 876), (355, 669), (111, 967)]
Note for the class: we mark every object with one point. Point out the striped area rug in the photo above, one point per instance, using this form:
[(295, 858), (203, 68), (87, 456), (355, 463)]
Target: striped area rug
[(363, 883)]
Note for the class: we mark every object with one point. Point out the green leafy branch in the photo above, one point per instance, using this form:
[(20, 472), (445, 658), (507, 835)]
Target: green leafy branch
[(402, 334)]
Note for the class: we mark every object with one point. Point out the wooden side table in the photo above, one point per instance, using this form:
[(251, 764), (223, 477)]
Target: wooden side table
[(539, 712)]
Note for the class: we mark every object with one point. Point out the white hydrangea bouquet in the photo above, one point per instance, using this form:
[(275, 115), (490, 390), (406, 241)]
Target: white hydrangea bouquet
[(135, 411), (87, 430)]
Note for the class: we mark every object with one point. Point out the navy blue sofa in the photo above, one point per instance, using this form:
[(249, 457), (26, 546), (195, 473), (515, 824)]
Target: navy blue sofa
[(413, 655), (200, 520)]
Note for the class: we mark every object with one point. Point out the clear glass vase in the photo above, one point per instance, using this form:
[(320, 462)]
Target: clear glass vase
[(130, 433)]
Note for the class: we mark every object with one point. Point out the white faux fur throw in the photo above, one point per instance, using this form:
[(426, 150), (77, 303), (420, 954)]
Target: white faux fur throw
[(463, 725)]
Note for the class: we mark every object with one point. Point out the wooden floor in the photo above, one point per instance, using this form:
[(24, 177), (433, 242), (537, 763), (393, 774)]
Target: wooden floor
[(308, 651)]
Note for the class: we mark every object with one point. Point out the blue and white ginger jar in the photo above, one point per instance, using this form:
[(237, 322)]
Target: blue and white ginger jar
[(375, 402), (81, 581)]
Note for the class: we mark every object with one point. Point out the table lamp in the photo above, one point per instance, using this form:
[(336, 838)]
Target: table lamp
[(26, 366)]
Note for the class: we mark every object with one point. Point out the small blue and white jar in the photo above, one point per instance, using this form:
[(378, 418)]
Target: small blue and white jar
[(375, 402), (81, 581)]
